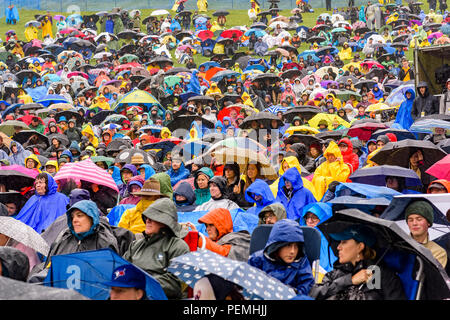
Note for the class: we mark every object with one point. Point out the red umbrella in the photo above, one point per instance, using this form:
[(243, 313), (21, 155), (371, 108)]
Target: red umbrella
[(27, 119), (372, 64), (225, 112), (205, 34), (212, 71), (126, 66), (69, 30), (364, 131), (232, 34), (78, 74), (441, 169)]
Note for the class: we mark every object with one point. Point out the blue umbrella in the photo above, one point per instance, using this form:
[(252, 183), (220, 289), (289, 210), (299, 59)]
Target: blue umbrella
[(401, 134), (365, 191), (365, 205), (195, 148), (376, 176), (89, 270), (276, 109), (151, 127), (52, 99), (300, 28), (307, 53), (255, 67), (209, 64), (111, 126), (201, 20), (185, 96), (256, 284), (224, 74), (258, 33), (427, 125), (397, 96)]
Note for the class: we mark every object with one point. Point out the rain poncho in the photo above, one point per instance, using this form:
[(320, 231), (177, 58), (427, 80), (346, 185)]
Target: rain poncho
[(89, 133), (345, 54), (259, 188), (18, 157), (40, 211), (328, 172), (296, 198), (202, 195), (404, 117), (349, 157), (184, 189), (31, 33), (178, 175), (47, 28), (36, 160)]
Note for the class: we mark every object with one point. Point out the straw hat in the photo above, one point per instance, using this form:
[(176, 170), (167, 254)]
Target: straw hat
[(151, 187), (137, 159)]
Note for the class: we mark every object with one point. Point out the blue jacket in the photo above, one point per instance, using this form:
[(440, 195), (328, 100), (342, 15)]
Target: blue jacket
[(185, 190), (404, 117), (297, 274), (40, 211), (109, 26), (149, 171), (219, 124), (116, 176), (324, 212), (176, 176), (89, 208), (300, 196), (259, 188)]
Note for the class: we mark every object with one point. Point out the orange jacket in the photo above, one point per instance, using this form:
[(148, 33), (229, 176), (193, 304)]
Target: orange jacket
[(444, 182), (221, 219)]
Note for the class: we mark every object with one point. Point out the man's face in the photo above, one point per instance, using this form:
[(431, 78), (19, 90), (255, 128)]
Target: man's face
[(422, 90), (418, 225), (12, 208)]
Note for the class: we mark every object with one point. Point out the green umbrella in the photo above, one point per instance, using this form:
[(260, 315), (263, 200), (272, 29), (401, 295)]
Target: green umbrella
[(335, 30), (7, 127), (171, 81), (129, 57), (109, 161), (345, 95)]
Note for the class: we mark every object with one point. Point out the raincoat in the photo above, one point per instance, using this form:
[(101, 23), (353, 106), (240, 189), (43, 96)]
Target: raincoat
[(89, 133), (35, 158), (202, 195), (345, 54), (349, 157), (31, 33), (328, 172), (277, 208), (297, 274), (234, 245), (40, 211), (46, 25), (295, 199), (178, 175), (185, 189), (404, 117), (259, 188), (18, 157)]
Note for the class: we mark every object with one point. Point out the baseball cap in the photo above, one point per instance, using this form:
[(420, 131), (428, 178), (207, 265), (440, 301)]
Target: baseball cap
[(127, 276), (356, 232)]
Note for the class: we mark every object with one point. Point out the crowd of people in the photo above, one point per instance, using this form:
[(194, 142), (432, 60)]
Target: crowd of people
[(172, 134)]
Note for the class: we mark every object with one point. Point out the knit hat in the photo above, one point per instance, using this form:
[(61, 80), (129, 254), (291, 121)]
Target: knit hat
[(422, 208)]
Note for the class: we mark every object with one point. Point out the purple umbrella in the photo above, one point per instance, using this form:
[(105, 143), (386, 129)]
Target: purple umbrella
[(59, 17), (418, 22), (325, 83)]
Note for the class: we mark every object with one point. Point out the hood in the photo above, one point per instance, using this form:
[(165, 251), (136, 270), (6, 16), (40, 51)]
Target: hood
[(221, 219), (15, 264), (292, 162), (77, 195), (206, 171), (427, 90), (166, 130), (67, 153), (74, 145), (221, 182), (149, 171), (277, 208), (130, 167), (259, 188), (164, 184), (137, 180), (88, 130), (90, 209), (52, 163), (19, 146), (184, 189), (413, 94), (283, 232), (323, 211), (333, 149), (164, 211), (349, 145), (219, 124), (300, 149), (35, 158), (52, 185), (292, 175), (443, 182)]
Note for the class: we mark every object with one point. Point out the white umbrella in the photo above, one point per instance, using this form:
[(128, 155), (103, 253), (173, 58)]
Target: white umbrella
[(24, 234), (100, 55), (283, 25), (337, 17), (159, 13)]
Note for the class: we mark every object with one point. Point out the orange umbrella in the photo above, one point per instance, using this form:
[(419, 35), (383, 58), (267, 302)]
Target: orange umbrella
[(212, 71)]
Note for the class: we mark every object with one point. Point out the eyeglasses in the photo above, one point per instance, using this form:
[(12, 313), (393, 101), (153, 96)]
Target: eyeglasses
[(311, 217), (268, 215)]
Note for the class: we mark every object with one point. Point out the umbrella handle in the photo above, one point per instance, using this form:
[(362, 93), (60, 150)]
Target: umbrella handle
[(203, 241)]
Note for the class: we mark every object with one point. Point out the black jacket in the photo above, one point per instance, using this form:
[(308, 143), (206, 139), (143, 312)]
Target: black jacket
[(426, 103), (337, 284)]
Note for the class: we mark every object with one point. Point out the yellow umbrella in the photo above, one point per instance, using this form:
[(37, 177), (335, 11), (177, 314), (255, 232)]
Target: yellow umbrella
[(354, 64), (302, 129), (378, 107), (61, 106), (329, 118)]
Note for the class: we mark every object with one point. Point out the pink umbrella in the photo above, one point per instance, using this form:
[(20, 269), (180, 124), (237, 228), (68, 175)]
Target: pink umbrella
[(371, 64), (435, 35), (68, 30), (78, 74), (98, 71), (31, 173), (59, 17), (88, 171), (358, 24), (304, 81), (364, 131), (440, 169), (184, 47), (128, 66)]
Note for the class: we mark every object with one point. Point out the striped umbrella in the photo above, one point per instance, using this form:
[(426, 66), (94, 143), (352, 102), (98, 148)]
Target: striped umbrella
[(88, 171), (275, 109)]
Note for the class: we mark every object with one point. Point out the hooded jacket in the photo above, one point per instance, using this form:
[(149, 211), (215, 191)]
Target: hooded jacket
[(40, 211), (74, 134), (328, 172), (89, 133), (234, 245), (35, 158), (426, 103), (18, 158), (149, 171), (132, 199), (295, 199), (259, 188), (404, 114), (123, 188), (277, 208), (154, 252), (224, 201), (202, 195), (302, 156), (349, 157), (297, 274), (178, 175), (14, 264), (184, 189)]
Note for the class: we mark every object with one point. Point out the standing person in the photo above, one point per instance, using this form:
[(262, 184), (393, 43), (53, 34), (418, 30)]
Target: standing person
[(405, 73), (328, 5), (162, 242), (46, 26), (425, 103), (404, 117)]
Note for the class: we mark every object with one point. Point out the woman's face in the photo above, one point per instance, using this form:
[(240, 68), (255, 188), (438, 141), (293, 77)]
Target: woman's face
[(40, 186), (311, 219), (213, 234), (252, 171), (81, 222), (285, 166), (214, 191), (152, 226), (416, 159), (350, 251), (31, 164), (202, 181)]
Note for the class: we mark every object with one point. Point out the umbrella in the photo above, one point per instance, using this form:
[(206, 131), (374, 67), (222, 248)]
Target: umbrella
[(125, 156), (222, 74), (205, 34), (440, 169), (265, 118), (391, 240), (220, 13), (301, 129), (445, 145), (398, 153), (201, 99), (364, 131), (70, 114), (11, 289), (185, 122), (427, 125), (7, 127), (24, 234), (305, 112), (401, 134), (61, 137), (88, 171), (377, 175), (127, 34), (329, 118), (306, 139), (159, 13), (256, 284), (51, 99), (114, 118), (24, 135), (377, 107), (96, 269), (16, 177)]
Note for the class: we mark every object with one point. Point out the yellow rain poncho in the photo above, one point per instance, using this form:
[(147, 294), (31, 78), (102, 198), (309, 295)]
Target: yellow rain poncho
[(369, 161), (132, 218), (46, 28), (52, 163), (247, 100), (329, 118), (215, 26), (202, 5), (165, 133), (345, 54), (301, 129), (213, 89), (336, 102), (35, 158), (89, 133), (25, 97), (31, 33), (293, 162), (101, 103), (219, 48), (328, 172)]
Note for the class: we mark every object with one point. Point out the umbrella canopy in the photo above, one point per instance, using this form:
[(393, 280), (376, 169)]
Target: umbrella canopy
[(96, 270), (306, 139), (125, 156), (392, 240), (401, 134), (88, 171), (16, 177), (441, 169), (305, 112), (301, 129), (398, 153), (159, 13), (24, 135), (364, 131), (185, 121), (256, 284), (7, 127), (62, 138), (427, 125), (24, 234), (263, 117), (329, 118), (377, 175)]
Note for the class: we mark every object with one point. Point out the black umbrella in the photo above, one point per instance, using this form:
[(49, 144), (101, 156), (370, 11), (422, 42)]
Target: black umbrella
[(15, 180), (401, 134), (376, 72), (101, 116), (258, 25), (400, 38), (13, 197), (265, 118), (368, 82), (86, 90), (24, 135), (335, 135), (291, 73), (289, 48), (220, 13), (267, 76), (31, 106), (182, 34), (432, 26), (306, 139), (398, 153), (175, 70), (444, 145), (117, 145), (438, 116), (125, 156), (305, 112), (127, 34), (243, 61), (392, 242), (21, 75), (160, 59), (62, 138), (315, 39), (362, 30), (185, 121), (69, 114), (201, 99)]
